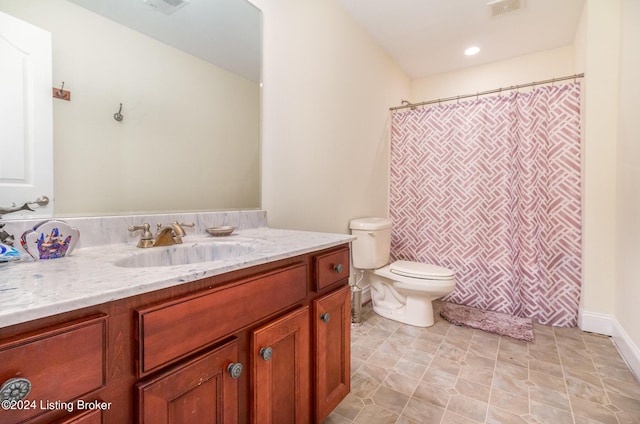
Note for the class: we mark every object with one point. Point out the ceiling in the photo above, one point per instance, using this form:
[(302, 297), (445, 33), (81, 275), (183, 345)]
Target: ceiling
[(424, 37), (227, 33), (427, 37)]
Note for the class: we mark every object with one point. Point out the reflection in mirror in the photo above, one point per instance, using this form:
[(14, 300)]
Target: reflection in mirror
[(189, 137)]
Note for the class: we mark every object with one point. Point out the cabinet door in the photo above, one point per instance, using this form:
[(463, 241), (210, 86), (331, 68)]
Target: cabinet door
[(281, 370), (202, 390), (332, 330)]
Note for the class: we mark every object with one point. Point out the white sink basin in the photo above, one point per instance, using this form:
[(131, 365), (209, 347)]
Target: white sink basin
[(184, 254)]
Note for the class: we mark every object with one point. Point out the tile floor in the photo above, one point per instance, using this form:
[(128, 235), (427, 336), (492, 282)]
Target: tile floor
[(455, 375)]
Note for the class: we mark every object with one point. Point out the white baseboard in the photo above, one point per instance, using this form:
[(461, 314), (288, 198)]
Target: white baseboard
[(627, 348), (609, 326), (594, 322)]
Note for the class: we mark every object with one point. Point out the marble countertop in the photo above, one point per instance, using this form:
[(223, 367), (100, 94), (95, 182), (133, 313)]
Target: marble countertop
[(90, 276)]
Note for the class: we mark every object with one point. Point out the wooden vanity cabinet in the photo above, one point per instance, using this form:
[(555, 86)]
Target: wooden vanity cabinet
[(265, 344)]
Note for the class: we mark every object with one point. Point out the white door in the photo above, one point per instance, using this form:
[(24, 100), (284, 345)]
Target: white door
[(26, 133)]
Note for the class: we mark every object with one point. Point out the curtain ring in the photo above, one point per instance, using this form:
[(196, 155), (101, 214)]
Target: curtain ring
[(553, 81), (458, 100)]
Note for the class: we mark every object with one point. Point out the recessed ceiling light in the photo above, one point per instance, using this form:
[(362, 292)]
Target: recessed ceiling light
[(470, 51)]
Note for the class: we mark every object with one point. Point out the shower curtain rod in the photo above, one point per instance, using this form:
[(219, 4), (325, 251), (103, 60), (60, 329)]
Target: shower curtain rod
[(406, 104)]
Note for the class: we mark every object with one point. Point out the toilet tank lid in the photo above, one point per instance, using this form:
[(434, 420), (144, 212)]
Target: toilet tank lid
[(420, 270), (369, 224)]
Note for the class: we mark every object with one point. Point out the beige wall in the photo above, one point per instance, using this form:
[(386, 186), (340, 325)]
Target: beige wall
[(185, 120), (526, 69), (627, 292), (600, 56), (326, 97)]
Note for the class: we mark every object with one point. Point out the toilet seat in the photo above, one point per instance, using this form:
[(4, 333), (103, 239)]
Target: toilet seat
[(421, 271)]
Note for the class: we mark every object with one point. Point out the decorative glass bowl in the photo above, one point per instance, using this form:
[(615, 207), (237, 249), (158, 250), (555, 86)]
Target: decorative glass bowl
[(50, 240)]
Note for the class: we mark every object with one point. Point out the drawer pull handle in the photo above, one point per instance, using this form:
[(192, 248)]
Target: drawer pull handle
[(338, 268), (235, 369), (15, 389), (325, 317), (266, 353)]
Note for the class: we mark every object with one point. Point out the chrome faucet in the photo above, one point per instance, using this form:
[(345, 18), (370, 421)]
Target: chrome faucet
[(166, 235)]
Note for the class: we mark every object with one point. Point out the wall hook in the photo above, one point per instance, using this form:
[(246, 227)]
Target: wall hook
[(61, 93), (118, 115)]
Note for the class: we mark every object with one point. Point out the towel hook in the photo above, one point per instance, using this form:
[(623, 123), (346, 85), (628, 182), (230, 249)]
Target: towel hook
[(60, 91), (118, 115)]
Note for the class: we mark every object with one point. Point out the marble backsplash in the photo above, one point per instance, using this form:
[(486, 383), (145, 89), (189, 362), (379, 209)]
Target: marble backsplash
[(108, 230)]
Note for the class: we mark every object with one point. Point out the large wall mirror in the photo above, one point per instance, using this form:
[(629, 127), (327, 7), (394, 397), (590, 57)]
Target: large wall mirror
[(187, 74)]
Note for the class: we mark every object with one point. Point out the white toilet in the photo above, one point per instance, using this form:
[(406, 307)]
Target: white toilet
[(402, 291)]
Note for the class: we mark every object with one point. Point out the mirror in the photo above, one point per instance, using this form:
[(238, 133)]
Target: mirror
[(188, 79)]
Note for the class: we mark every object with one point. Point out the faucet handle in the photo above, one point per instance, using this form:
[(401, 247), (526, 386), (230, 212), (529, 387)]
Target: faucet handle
[(146, 239), (145, 228)]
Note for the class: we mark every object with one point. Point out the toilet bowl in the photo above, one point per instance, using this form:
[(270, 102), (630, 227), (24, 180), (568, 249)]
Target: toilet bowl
[(402, 291)]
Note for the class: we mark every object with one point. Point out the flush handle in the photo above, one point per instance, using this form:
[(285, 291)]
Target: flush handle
[(338, 268), (266, 353)]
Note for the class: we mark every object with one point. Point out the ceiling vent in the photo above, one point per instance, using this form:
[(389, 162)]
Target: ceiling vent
[(165, 6), (500, 7)]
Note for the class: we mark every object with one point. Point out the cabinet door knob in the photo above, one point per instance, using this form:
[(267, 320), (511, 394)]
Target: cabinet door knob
[(338, 268), (325, 317), (266, 353), (15, 389), (235, 369)]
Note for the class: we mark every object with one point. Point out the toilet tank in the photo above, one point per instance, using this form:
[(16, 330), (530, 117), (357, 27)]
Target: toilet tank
[(371, 248)]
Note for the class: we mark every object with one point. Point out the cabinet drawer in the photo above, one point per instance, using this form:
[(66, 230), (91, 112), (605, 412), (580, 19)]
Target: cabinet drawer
[(172, 330), (62, 363), (331, 268)]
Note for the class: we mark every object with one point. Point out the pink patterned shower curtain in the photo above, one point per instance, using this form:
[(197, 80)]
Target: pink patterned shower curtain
[(491, 188)]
